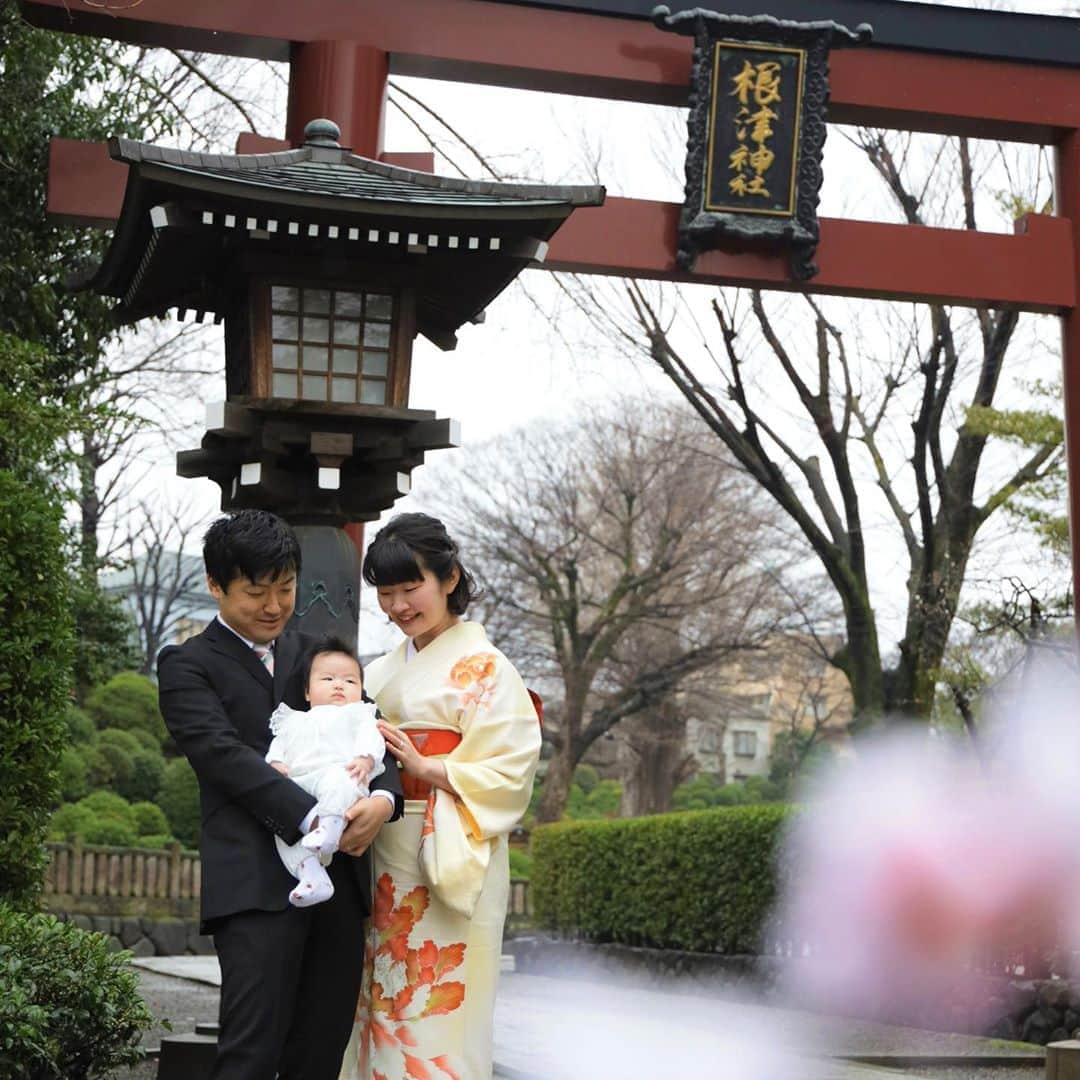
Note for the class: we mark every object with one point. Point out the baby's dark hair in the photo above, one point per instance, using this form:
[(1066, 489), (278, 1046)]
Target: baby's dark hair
[(410, 543), (250, 544), (330, 644)]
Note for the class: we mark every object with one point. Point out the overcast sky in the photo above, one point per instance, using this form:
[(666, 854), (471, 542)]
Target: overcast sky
[(511, 370)]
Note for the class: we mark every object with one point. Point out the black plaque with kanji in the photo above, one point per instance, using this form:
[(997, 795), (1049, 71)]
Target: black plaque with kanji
[(753, 150), (758, 96)]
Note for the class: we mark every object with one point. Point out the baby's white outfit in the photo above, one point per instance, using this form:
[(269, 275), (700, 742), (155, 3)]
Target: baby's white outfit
[(316, 745)]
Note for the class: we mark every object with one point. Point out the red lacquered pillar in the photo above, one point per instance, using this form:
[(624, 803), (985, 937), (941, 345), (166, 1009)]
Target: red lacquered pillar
[(343, 82), (1067, 199), (346, 83)]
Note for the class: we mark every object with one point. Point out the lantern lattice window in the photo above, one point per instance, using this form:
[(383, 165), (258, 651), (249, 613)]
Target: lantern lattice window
[(330, 344)]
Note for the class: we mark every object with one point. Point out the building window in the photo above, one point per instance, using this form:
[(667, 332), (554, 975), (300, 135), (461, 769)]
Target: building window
[(329, 345), (745, 743)]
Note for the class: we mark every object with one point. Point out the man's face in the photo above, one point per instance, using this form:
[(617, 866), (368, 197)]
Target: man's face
[(257, 610), (334, 680)]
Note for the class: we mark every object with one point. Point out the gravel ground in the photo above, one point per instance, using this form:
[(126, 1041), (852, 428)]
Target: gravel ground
[(181, 1002)]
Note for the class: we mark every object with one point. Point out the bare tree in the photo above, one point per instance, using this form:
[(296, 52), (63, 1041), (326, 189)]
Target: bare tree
[(586, 536), (821, 422), (164, 581)]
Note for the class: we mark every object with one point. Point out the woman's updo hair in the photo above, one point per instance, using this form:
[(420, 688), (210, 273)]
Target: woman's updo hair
[(408, 545)]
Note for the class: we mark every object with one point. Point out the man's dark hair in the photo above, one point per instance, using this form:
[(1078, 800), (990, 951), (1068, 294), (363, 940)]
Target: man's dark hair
[(330, 644), (250, 544)]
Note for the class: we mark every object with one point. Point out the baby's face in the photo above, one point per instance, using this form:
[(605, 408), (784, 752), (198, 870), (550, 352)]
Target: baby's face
[(334, 680)]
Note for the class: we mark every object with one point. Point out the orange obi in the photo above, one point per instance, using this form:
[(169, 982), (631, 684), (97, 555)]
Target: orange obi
[(430, 742)]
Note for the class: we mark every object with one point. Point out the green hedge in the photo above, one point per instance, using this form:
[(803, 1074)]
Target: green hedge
[(35, 666), (69, 1008), (702, 881)]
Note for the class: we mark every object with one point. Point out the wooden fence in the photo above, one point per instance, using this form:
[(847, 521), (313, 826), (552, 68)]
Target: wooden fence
[(89, 879)]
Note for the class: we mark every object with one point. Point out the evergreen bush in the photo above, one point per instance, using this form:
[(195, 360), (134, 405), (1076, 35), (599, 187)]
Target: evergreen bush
[(148, 774), (156, 841), (81, 728), (149, 819), (703, 881), (521, 864), (73, 773), (110, 833), (69, 1008), (99, 770), (35, 661), (128, 701), (70, 822), (179, 798)]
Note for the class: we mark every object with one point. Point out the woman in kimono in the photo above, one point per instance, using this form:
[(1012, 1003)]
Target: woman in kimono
[(461, 723)]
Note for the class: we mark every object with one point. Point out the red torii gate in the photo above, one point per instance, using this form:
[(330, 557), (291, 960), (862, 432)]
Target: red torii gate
[(934, 69)]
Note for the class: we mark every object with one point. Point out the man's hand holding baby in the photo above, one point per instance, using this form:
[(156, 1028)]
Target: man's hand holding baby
[(280, 766)]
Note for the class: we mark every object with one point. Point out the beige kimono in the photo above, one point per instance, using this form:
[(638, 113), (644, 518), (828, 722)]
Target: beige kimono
[(442, 872)]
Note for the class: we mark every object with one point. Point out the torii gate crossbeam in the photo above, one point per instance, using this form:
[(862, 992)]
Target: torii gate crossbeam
[(935, 69)]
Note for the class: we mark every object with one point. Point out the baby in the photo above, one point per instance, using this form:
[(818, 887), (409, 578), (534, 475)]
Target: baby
[(332, 751)]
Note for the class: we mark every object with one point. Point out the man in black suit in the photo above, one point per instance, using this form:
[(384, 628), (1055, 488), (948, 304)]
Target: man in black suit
[(290, 977)]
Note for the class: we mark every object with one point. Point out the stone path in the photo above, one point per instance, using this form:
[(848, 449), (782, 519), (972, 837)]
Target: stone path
[(548, 1027)]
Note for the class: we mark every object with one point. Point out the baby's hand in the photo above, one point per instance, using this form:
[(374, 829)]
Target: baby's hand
[(360, 768), (280, 766)]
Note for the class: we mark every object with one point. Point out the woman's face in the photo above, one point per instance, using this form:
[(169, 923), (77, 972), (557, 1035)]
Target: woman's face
[(418, 608)]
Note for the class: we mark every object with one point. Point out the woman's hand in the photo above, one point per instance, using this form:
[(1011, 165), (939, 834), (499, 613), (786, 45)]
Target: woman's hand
[(401, 746), (430, 770)]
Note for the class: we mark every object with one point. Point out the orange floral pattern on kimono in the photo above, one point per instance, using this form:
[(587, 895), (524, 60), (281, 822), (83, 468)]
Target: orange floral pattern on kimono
[(407, 984), (474, 676)]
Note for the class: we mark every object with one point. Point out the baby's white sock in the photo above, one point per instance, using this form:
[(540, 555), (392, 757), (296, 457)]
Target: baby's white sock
[(324, 838), (314, 885)]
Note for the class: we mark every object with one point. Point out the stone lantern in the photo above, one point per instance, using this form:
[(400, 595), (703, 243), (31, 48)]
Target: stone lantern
[(323, 267)]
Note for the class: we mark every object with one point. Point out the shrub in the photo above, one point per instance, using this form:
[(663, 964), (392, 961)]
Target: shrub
[(73, 773), (125, 740), (70, 822), (103, 817), (157, 841), (601, 801), (128, 701), (147, 740), (702, 881), (99, 770), (148, 774), (120, 766), (521, 863), (586, 777), (179, 798), (68, 1007), (137, 773), (35, 659), (110, 832), (80, 725), (106, 804), (705, 791), (149, 819)]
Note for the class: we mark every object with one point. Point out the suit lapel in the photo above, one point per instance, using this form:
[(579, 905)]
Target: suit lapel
[(286, 650), (224, 641)]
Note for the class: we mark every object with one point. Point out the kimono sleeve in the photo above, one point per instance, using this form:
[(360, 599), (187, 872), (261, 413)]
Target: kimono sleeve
[(492, 767), (491, 770)]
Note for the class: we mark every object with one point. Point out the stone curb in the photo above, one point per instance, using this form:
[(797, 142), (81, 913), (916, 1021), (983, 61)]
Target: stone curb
[(946, 1061)]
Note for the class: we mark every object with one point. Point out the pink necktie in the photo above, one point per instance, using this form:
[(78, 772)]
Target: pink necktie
[(266, 654)]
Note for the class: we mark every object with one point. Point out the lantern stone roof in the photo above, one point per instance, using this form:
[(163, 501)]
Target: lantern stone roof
[(187, 218)]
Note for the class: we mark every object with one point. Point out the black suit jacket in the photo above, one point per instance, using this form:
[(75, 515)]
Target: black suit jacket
[(217, 697)]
